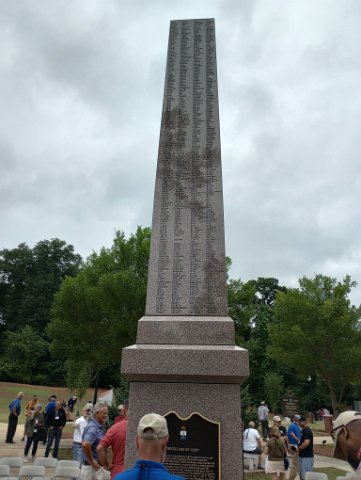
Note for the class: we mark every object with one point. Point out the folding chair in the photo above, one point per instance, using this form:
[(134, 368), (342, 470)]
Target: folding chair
[(12, 461), (316, 476), (67, 472), (4, 471), (32, 471), (68, 463), (46, 462)]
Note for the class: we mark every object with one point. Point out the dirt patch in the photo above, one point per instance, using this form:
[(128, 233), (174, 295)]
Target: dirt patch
[(325, 450)]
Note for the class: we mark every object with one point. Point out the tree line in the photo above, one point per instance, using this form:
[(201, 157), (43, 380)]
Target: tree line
[(64, 320)]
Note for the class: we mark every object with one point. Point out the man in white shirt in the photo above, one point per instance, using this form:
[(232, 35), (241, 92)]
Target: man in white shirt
[(79, 425), (252, 442)]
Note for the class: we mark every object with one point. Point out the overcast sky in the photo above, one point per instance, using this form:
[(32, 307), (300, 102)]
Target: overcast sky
[(81, 87)]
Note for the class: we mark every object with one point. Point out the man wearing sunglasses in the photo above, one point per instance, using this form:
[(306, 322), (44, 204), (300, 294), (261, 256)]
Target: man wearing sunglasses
[(346, 434)]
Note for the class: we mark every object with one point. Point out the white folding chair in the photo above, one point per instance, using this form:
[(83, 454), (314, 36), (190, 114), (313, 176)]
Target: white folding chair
[(316, 476), (46, 462), (12, 461), (32, 471), (4, 471), (67, 472), (68, 463)]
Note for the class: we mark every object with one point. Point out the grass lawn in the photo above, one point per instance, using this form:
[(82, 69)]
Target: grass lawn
[(8, 392), (331, 472)]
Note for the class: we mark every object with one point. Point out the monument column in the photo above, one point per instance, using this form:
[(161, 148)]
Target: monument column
[(185, 359)]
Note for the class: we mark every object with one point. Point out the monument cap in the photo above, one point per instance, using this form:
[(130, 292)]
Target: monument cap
[(152, 427), (276, 418), (341, 421)]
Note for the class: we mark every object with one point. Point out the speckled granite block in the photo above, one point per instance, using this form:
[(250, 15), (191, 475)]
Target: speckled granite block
[(217, 402), (185, 363), (186, 330)]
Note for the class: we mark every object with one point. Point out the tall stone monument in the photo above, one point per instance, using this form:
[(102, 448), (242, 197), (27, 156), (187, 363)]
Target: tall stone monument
[(185, 359)]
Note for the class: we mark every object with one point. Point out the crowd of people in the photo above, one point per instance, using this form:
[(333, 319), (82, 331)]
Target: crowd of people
[(293, 447), (296, 442), (92, 442)]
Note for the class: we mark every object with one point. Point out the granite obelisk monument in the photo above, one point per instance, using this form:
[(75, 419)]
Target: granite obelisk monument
[(185, 359)]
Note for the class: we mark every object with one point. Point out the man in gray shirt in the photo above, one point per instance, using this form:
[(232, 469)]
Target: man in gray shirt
[(262, 413)]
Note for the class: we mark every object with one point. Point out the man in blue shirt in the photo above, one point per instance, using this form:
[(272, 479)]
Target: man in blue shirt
[(14, 409), (294, 437), (50, 407), (152, 438), (93, 433)]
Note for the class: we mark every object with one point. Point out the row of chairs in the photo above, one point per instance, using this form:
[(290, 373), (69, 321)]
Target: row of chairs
[(62, 468)]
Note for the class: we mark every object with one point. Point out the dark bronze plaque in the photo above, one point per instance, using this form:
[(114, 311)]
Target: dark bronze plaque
[(290, 405), (194, 447)]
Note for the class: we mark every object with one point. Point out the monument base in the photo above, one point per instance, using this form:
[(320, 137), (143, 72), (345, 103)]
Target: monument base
[(188, 365), (218, 402)]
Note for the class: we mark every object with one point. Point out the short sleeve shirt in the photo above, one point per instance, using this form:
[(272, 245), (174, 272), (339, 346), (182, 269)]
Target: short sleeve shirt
[(93, 433), (307, 435), (15, 404), (80, 423), (146, 469), (295, 429), (250, 439), (115, 438)]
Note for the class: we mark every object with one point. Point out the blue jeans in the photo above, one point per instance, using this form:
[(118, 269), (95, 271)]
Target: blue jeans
[(53, 434), (78, 452), (305, 464)]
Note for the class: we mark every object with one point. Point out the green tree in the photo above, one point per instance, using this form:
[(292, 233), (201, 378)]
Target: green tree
[(241, 308), (23, 352), (29, 278), (251, 307), (274, 389), (95, 314), (316, 331)]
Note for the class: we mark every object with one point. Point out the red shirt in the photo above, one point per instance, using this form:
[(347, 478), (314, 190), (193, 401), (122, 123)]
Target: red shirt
[(115, 438), (119, 418)]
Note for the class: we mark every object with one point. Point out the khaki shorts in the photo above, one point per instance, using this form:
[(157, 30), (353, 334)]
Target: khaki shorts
[(89, 473), (275, 467)]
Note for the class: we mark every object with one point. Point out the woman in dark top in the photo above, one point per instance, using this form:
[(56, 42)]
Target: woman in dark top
[(35, 423), (276, 451)]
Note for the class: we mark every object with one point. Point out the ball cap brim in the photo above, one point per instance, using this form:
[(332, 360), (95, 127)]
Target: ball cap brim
[(152, 427)]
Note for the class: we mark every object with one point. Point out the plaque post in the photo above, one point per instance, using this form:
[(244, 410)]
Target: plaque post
[(185, 359)]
